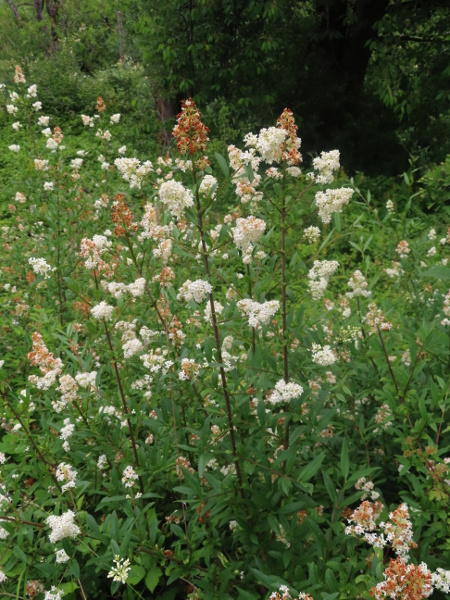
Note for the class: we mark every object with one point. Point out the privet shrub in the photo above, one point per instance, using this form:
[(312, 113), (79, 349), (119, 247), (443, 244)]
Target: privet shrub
[(205, 405)]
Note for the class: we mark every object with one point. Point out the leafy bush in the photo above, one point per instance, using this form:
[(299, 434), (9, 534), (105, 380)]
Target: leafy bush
[(203, 405)]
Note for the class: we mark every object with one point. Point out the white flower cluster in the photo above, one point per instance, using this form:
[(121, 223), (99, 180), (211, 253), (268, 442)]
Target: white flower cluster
[(137, 288), (129, 476), (258, 314), (359, 286), (62, 527), (441, 580), (323, 356), (311, 234), (269, 143), (156, 361), (132, 347), (92, 251), (197, 290), (133, 171), (61, 556), (284, 392), (40, 266), (120, 571), (40, 164), (64, 472), (218, 309), (102, 311), (176, 197), (326, 164), (69, 393), (54, 594), (332, 201), (189, 369), (246, 233), (319, 276), (395, 271), (87, 380), (208, 186), (245, 189)]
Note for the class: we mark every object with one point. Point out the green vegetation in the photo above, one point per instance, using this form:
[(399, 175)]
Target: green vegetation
[(224, 366)]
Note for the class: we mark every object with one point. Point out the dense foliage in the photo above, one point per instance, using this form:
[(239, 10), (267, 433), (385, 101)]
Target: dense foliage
[(221, 377)]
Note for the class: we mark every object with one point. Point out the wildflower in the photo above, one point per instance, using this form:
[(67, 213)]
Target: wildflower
[(207, 186), (14, 148), (403, 249), (132, 347), (190, 133), (62, 556), (40, 266), (115, 118), (332, 201), (19, 77), (64, 472), (390, 206), (87, 121), (258, 314), (358, 284), (326, 164), (120, 571), (37, 106), (319, 275), (43, 121), (323, 356), (40, 165), (409, 582), (102, 311), (284, 392), (48, 186), (197, 290), (247, 232), (16, 126), (122, 150), (129, 476), (62, 527), (311, 234), (53, 594), (269, 143), (176, 197)]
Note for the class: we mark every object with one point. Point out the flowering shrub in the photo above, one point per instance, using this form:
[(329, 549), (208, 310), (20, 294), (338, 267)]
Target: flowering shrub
[(197, 405)]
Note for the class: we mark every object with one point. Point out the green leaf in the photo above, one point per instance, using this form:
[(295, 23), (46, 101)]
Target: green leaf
[(345, 462), (135, 574), (310, 470), (152, 579), (222, 164)]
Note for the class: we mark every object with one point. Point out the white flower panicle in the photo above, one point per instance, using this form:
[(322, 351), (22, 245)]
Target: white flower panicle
[(133, 171), (62, 527), (61, 556), (258, 314), (207, 186), (326, 165), (64, 472), (247, 231), (40, 266), (176, 197), (311, 234), (197, 290), (332, 201), (319, 276), (129, 477), (323, 355), (218, 309), (102, 311), (359, 286), (120, 571), (284, 392), (269, 143)]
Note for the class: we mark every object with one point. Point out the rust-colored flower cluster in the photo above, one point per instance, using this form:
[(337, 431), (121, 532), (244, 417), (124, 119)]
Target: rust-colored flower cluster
[(100, 106), (287, 122), (122, 217), (19, 77), (190, 133), (408, 582), (41, 357)]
